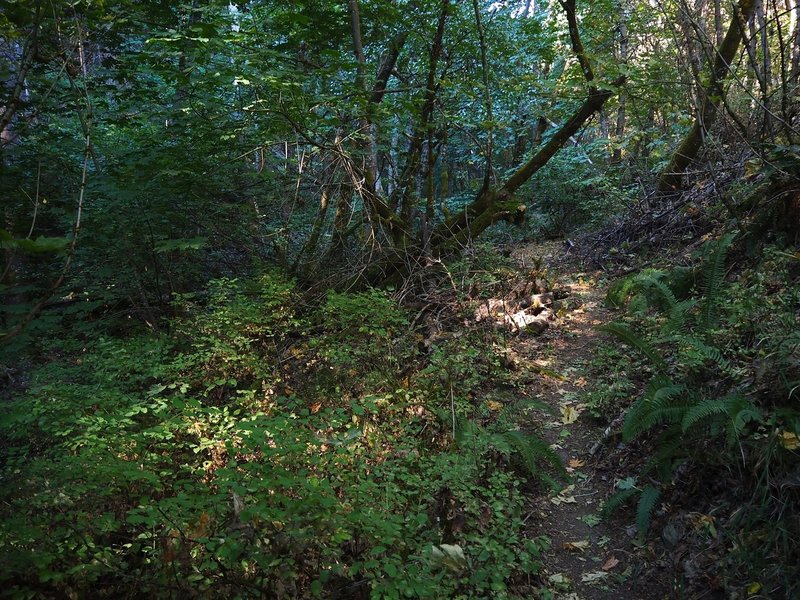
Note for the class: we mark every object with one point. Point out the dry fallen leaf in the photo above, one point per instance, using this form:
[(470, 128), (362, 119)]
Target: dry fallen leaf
[(593, 577), (494, 405), (579, 546), (790, 440), (576, 463), (563, 500), (564, 496), (450, 556), (754, 588), (701, 520), (610, 563), (581, 382), (569, 414)]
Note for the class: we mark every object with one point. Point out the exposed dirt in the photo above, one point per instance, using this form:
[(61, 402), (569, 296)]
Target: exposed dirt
[(589, 558)]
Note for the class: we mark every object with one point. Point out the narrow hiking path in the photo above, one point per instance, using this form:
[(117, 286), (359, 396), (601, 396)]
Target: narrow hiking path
[(589, 558)]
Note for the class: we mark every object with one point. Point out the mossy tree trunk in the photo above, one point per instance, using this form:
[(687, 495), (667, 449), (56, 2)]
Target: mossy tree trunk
[(711, 96), (411, 236), (494, 204)]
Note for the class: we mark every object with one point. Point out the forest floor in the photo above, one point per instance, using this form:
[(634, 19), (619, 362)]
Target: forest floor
[(590, 557)]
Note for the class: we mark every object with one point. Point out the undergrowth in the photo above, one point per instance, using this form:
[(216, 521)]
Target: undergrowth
[(265, 448), (721, 401)]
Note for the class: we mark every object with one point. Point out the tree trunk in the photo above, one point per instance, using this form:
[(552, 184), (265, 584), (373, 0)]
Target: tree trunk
[(538, 133), (759, 74), (670, 178), (9, 105), (405, 192), (491, 205), (693, 48), (796, 46), (365, 177), (766, 70), (487, 97), (619, 126)]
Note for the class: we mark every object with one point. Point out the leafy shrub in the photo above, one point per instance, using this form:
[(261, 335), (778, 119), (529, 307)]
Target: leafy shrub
[(185, 464)]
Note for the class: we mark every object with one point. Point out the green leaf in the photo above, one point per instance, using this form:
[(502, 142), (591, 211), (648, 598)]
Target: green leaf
[(449, 556), (40, 245), (195, 243)]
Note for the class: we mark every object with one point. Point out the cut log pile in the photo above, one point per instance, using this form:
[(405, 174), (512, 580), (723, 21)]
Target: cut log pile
[(529, 307)]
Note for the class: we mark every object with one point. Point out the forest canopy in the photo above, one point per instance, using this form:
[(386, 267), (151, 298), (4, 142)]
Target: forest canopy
[(363, 138)]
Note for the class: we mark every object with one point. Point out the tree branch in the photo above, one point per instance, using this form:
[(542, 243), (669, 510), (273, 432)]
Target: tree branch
[(37, 308)]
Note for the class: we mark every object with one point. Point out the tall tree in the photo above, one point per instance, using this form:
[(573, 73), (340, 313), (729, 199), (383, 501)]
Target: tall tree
[(711, 97), (494, 204)]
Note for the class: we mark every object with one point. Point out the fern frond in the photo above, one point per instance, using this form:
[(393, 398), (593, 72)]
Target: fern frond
[(711, 286), (619, 291), (677, 319), (742, 412), (658, 416), (654, 281), (670, 446), (624, 333), (632, 426), (638, 304), (747, 412), (709, 353), (661, 390), (737, 410), (521, 405), (705, 410), (466, 429), (644, 510), (617, 500), (653, 408), (532, 449)]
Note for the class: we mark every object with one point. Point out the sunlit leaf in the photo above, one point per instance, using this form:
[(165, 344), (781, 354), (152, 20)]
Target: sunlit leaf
[(449, 556), (578, 546)]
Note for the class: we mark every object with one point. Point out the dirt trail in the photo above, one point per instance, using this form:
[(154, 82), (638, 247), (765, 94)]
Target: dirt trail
[(589, 559)]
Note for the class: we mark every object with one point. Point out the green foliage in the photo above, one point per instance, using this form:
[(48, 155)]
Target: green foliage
[(198, 427), (662, 402), (571, 195), (193, 460), (647, 500), (533, 450), (39, 245), (737, 410), (677, 400), (534, 454), (721, 393), (611, 387), (675, 395), (363, 333), (618, 499)]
